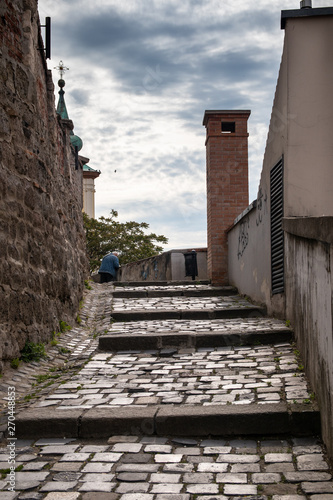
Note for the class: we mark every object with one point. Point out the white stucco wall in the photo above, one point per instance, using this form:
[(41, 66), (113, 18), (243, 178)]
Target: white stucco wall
[(300, 131)]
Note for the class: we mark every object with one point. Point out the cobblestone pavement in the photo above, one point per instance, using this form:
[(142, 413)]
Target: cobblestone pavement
[(149, 468), (227, 375), (243, 325), (165, 468), (178, 303)]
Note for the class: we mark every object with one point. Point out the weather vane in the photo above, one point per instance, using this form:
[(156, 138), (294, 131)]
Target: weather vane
[(61, 68)]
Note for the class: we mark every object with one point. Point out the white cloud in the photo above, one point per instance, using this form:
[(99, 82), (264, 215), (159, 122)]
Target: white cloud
[(142, 73)]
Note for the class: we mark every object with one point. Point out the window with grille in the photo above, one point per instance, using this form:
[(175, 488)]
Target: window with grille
[(277, 235)]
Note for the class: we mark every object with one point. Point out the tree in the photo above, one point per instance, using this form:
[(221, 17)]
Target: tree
[(127, 238)]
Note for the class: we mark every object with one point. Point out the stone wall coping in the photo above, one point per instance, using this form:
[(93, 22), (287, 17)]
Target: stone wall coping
[(313, 228), (287, 14), (245, 212)]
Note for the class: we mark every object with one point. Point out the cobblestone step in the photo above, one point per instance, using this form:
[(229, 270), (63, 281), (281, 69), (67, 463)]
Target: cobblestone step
[(173, 291), (210, 409), (119, 339), (228, 420)]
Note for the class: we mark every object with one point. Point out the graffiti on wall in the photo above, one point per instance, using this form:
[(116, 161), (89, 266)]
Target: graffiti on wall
[(261, 206), (243, 237)]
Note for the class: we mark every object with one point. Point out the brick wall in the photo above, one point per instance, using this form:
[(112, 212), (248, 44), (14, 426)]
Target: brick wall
[(42, 243), (227, 183)]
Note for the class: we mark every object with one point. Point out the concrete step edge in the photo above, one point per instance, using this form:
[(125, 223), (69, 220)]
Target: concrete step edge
[(203, 314), (130, 294), (229, 420), (119, 342)]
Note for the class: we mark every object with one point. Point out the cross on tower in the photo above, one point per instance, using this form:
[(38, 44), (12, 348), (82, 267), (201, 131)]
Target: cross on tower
[(61, 68)]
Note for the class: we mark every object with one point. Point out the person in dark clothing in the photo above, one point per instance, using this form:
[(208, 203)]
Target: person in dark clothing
[(109, 267)]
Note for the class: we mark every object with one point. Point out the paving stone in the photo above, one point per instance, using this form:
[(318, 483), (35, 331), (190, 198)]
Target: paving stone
[(137, 496), (59, 486), (132, 488), (26, 485), (31, 476), (245, 468), (297, 477), (202, 488), (231, 478), (241, 459), (127, 447), (168, 458), (240, 489), (98, 467), (75, 457), (91, 477), (178, 467), (280, 467), (132, 477), (34, 466), (122, 439), (101, 496), (214, 450), (63, 496), (278, 457), (58, 449), (210, 497), (93, 449), (8, 495), (97, 486), (66, 466), (30, 496), (166, 496), (317, 487), (265, 478), (167, 488), (106, 457)]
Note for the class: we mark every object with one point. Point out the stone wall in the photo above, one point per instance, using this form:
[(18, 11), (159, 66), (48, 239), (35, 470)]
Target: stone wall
[(169, 266), (42, 244), (309, 295)]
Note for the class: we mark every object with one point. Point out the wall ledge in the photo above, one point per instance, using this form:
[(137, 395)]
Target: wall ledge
[(289, 14), (313, 228), (248, 209)]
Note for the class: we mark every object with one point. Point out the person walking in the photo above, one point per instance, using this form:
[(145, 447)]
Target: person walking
[(109, 267)]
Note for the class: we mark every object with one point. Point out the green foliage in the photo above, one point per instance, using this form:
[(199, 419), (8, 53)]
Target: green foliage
[(33, 352), (15, 363), (86, 284), (128, 238), (64, 326)]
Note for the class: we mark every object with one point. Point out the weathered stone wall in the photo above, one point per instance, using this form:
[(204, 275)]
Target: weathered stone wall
[(169, 266), (309, 299), (42, 244)]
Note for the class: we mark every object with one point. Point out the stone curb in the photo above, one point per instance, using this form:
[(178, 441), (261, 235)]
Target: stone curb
[(166, 420), (130, 294), (119, 342), (199, 314)]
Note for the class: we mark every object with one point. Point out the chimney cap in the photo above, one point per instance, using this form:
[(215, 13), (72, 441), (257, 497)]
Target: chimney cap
[(230, 113), (306, 4)]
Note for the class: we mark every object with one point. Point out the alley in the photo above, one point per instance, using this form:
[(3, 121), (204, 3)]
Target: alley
[(170, 392)]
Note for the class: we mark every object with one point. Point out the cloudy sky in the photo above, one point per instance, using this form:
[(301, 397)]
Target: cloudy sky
[(141, 75)]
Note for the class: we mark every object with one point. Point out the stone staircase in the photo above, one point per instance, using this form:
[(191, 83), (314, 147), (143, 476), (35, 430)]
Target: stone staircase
[(192, 393), (182, 359)]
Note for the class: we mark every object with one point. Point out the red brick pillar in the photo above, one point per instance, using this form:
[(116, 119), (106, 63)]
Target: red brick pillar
[(227, 183)]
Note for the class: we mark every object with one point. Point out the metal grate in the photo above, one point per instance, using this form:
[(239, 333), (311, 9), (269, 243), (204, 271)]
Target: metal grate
[(277, 235)]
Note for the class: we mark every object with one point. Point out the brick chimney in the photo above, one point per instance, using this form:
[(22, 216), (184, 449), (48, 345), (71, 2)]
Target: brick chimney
[(227, 183)]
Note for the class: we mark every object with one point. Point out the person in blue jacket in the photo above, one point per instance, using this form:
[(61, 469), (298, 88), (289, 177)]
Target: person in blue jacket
[(109, 267)]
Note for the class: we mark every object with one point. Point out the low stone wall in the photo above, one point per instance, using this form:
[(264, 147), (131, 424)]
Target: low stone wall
[(169, 266), (309, 295), (42, 242)]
